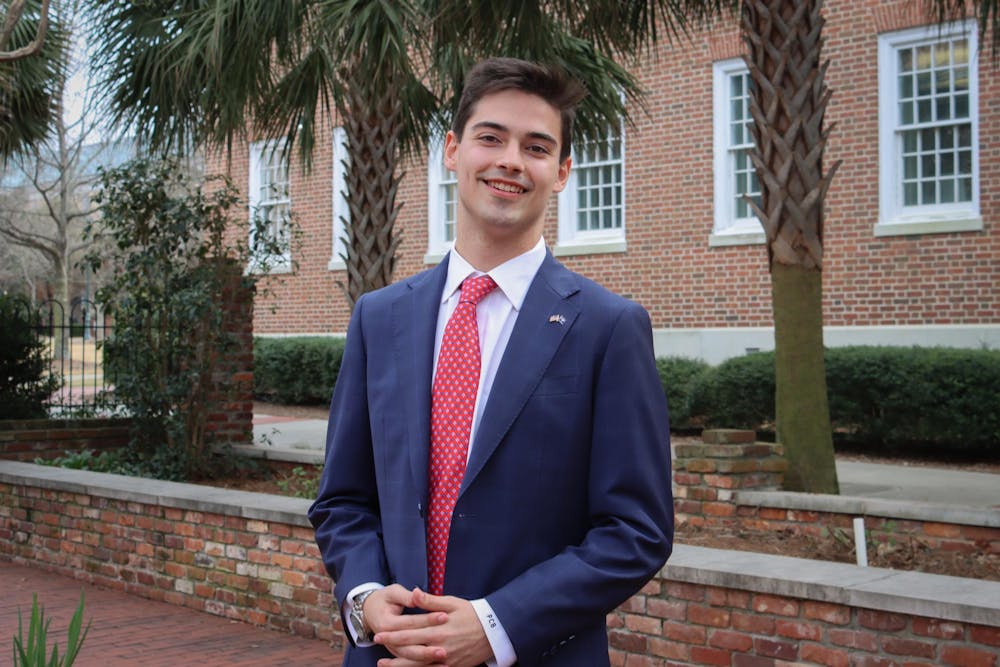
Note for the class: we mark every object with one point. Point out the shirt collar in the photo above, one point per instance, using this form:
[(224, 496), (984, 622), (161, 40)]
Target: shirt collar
[(513, 277)]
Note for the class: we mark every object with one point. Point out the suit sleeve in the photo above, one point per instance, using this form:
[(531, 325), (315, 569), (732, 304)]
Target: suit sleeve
[(630, 505), (345, 514)]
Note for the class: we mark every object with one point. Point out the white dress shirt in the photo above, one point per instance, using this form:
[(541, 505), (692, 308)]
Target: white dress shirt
[(495, 317)]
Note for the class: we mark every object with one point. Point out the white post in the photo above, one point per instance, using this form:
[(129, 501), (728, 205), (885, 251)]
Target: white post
[(860, 544)]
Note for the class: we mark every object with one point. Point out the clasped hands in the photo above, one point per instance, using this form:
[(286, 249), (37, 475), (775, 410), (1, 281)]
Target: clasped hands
[(448, 635)]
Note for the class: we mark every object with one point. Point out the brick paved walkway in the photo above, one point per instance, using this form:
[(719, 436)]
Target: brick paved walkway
[(132, 631)]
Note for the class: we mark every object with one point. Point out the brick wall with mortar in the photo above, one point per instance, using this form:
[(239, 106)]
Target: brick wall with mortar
[(252, 557), (28, 439), (230, 419), (252, 569), (712, 481), (669, 266)]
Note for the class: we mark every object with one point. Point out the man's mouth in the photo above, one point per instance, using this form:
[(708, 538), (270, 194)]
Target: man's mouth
[(506, 187)]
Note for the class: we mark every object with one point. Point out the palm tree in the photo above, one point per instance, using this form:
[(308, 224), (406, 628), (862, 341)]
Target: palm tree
[(32, 57), (185, 72)]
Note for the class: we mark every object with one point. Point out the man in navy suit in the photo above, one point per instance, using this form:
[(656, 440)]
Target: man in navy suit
[(565, 507)]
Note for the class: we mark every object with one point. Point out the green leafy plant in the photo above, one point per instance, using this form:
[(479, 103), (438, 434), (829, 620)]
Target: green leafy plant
[(113, 461), (33, 650), (25, 381), (301, 483), (172, 272)]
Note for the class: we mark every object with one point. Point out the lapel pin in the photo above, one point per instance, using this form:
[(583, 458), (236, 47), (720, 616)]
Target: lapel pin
[(557, 319)]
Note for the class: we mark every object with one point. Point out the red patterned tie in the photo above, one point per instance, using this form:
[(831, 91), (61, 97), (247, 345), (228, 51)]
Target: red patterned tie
[(453, 400)]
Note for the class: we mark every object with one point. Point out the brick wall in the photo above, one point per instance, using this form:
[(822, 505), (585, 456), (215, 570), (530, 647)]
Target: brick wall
[(252, 557), (728, 482), (672, 623), (213, 557), (28, 439), (943, 279)]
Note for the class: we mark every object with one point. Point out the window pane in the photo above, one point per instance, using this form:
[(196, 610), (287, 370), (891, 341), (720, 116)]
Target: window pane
[(946, 137), (961, 106), (923, 57), (924, 84), (924, 111), (910, 167), (927, 195), (909, 142), (965, 136), (965, 162), (965, 189), (927, 163), (947, 191), (947, 164), (905, 60), (905, 87), (910, 194)]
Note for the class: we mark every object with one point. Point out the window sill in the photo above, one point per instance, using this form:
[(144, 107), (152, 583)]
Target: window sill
[(435, 257), (723, 239), (589, 247), (910, 227), (336, 264)]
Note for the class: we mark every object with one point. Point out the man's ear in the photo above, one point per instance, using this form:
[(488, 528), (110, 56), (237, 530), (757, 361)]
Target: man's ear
[(450, 148), (563, 177)]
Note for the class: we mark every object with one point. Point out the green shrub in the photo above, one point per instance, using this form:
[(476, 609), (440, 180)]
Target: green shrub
[(927, 397), (172, 273), (25, 385), (738, 393), (679, 375), (881, 398), (299, 370)]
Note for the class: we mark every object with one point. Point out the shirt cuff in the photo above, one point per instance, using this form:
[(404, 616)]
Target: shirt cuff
[(503, 650), (346, 610)]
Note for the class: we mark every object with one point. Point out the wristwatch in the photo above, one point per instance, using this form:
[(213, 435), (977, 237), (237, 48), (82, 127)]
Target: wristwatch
[(357, 617)]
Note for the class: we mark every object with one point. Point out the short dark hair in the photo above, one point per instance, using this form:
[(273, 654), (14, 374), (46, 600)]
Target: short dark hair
[(549, 82)]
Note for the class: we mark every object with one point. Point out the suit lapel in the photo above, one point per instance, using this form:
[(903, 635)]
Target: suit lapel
[(533, 342), (414, 324)]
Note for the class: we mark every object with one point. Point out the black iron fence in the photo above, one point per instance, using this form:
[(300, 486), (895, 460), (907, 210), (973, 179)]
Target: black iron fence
[(74, 338)]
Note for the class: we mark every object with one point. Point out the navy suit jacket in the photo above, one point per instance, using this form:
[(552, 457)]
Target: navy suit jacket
[(565, 509)]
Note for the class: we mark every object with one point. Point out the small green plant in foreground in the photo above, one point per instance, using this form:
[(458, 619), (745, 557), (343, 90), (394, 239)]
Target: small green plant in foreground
[(33, 651)]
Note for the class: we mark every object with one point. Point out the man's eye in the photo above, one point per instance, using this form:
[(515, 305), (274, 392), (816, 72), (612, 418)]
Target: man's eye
[(541, 150)]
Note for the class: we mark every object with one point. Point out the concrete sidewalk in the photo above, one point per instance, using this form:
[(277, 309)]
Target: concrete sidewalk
[(127, 630), (304, 439)]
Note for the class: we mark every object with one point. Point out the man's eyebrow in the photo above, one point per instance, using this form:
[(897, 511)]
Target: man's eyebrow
[(493, 125)]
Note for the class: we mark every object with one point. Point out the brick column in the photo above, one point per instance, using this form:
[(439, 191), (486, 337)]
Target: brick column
[(230, 421), (706, 475)]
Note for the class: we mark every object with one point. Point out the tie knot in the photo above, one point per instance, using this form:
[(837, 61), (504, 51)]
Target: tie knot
[(474, 289)]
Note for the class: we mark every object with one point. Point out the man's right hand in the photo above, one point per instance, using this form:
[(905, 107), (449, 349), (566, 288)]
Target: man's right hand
[(384, 613)]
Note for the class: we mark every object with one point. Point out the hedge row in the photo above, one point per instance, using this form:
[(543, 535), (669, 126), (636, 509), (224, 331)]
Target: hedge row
[(881, 398), (298, 370)]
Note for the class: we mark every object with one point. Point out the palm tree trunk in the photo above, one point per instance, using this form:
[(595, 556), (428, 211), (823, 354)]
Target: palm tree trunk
[(788, 101), (373, 121)]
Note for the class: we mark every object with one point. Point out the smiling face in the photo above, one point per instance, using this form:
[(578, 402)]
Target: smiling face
[(507, 166)]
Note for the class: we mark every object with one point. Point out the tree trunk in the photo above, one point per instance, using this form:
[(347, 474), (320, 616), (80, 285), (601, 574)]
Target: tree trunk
[(788, 101), (372, 123)]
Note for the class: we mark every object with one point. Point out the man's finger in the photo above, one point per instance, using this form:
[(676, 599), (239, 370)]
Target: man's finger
[(428, 602), (409, 650), (412, 622)]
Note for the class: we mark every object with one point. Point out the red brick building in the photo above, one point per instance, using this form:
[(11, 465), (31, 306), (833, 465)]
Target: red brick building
[(911, 234)]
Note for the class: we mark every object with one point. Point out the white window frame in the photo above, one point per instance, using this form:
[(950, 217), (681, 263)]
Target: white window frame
[(894, 218), (727, 229), (341, 211), (258, 151), (572, 240), (438, 176)]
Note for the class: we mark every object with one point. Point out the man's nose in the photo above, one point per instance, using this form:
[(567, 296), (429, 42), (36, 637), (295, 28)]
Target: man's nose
[(510, 158)]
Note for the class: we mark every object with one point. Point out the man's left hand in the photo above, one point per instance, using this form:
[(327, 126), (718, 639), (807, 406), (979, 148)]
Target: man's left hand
[(461, 636)]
